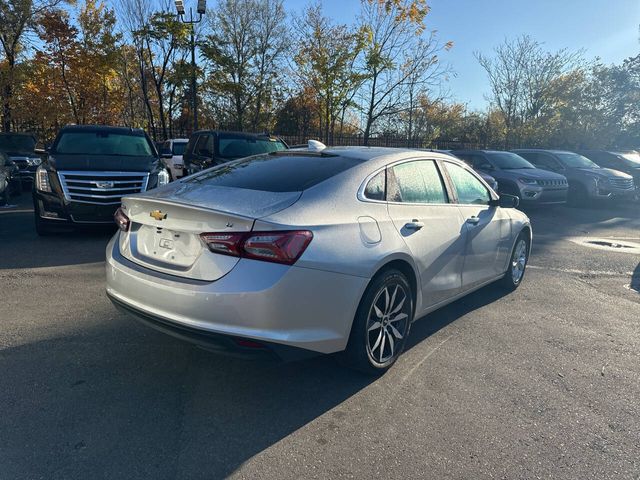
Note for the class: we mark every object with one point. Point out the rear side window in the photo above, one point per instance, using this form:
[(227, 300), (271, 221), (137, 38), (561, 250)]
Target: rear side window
[(469, 189), (276, 173), (416, 182), (178, 148), (376, 188)]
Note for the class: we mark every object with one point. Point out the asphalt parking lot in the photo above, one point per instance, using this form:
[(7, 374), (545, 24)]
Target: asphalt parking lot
[(541, 383)]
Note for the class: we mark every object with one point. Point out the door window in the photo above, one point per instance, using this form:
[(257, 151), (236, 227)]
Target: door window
[(545, 162), (204, 147), (469, 189), (416, 182), (481, 163)]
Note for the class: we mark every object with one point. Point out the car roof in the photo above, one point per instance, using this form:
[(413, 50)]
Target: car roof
[(548, 150), (379, 156), (102, 128)]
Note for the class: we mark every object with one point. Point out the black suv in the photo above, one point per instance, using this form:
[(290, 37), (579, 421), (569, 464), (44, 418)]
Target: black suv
[(207, 148), (20, 148), (87, 171)]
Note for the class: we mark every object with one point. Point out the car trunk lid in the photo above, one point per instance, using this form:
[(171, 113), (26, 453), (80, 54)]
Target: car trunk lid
[(164, 234)]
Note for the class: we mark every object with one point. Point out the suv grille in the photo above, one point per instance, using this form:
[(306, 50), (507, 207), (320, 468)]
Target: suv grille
[(101, 188), (622, 183), (552, 183)]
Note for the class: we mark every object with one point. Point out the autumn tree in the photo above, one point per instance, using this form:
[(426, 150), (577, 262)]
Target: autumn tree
[(244, 52), (399, 57), (325, 57), (16, 18)]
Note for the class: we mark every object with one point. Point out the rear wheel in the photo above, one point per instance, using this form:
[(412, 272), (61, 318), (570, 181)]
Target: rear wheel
[(381, 326), (517, 264)]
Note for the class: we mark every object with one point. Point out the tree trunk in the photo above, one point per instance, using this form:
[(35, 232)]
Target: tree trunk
[(7, 93)]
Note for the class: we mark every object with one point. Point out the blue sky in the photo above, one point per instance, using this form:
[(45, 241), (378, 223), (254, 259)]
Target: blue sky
[(608, 29)]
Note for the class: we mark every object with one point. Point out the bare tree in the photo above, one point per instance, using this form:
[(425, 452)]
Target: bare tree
[(397, 56), (522, 76)]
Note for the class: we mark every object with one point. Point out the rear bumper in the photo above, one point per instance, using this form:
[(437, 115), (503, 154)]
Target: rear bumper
[(273, 304)]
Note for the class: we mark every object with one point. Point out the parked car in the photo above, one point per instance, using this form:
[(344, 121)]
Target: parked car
[(10, 182), (87, 171), (587, 181), (207, 148), (298, 253), (171, 151), (627, 162), (516, 176), (20, 147), (492, 182)]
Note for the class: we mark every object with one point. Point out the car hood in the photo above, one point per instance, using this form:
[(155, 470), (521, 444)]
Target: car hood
[(535, 173), (237, 201), (20, 154), (601, 172), (103, 163)]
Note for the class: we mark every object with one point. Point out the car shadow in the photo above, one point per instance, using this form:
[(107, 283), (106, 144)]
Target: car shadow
[(118, 397), (21, 247)]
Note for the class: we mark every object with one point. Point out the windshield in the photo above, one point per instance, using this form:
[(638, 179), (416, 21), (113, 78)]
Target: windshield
[(17, 143), (238, 147), (103, 143), (631, 159), (573, 160), (509, 161), (179, 148)]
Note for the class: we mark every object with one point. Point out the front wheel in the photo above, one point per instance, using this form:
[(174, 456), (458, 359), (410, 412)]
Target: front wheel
[(381, 325), (517, 264)]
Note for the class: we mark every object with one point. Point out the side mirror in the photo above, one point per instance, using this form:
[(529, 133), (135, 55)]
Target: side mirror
[(506, 201)]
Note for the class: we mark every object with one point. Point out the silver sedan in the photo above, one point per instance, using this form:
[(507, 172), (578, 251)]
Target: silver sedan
[(298, 253)]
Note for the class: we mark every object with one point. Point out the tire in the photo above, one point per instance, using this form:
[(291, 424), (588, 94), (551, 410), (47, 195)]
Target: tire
[(378, 339), (517, 264), (42, 229)]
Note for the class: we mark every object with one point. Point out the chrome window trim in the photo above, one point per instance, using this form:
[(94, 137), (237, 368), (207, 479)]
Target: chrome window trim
[(360, 194)]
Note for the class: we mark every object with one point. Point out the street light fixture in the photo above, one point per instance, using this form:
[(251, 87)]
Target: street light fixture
[(201, 9)]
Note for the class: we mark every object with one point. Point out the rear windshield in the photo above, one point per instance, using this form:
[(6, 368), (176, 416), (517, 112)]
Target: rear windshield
[(238, 147), (103, 143), (271, 173), (17, 143)]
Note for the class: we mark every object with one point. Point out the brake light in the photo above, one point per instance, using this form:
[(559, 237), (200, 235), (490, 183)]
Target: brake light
[(279, 247), (121, 219)]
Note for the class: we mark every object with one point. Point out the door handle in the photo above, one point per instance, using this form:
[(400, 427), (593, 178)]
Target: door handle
[(473, 220), (414, 225)]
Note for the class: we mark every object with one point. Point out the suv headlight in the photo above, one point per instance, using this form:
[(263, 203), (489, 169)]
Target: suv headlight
[(528, 181), (163, 177), (34, 161), (42, 180)]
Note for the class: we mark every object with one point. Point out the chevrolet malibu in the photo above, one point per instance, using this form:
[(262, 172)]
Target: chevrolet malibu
[(296, 253)]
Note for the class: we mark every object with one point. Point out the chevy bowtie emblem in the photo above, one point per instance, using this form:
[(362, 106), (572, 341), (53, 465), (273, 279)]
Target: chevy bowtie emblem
[(158, 215)]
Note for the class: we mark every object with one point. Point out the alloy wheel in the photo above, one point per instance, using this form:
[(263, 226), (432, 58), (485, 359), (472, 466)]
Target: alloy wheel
[(387, 323), (519, 261)]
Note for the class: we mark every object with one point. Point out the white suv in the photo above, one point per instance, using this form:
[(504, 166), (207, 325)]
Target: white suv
[(171, 152)]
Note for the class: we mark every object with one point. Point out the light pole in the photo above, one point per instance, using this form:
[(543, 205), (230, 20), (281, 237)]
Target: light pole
[(201, 9)]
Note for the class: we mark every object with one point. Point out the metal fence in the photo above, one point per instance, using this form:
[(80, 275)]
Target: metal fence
[(385, 141)]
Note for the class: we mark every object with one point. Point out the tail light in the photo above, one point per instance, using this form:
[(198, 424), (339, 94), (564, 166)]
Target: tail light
[(279, 247), (121, 220)]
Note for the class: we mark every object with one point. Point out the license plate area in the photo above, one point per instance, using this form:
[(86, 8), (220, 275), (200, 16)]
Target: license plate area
[(170, 247)]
